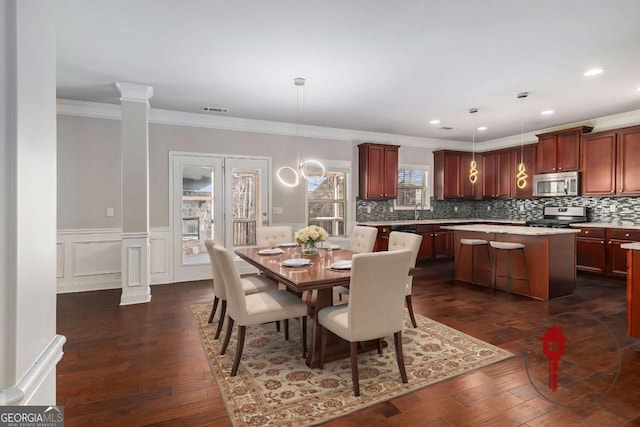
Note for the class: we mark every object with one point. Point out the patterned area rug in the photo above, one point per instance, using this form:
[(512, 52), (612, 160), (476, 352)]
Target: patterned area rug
[(274, 387)]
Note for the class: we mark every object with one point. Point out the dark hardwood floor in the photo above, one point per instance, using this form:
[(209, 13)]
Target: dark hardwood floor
[(144, 365)]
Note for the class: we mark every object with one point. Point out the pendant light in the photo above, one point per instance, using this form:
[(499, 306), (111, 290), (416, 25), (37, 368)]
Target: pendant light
[(473, 170), (521, 176), (298, 173)]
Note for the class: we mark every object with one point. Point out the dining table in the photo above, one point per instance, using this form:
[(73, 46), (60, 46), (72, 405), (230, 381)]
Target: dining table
[(316, 281)]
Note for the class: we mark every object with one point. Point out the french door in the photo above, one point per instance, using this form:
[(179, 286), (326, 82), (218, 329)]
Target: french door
[(214, 197)]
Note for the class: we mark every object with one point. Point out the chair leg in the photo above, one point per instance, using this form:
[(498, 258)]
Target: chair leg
[(397, 337), (227, 337), (379, 346), (223, 312), (213, 310), (304, 336), (353, 350), (277, 326), (242, 330), (286, 329), (323, 344), (410, 308), (526, 272)]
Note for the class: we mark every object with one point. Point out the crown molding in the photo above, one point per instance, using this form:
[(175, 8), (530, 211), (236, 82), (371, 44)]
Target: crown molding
[(177, 118)]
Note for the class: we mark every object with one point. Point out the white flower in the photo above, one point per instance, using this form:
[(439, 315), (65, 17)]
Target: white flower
[(310, 233)]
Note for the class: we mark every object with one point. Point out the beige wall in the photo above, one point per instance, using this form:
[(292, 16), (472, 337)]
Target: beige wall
[(89, 167)]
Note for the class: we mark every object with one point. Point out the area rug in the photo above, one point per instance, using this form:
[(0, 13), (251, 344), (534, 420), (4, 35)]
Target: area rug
[(274, 387)]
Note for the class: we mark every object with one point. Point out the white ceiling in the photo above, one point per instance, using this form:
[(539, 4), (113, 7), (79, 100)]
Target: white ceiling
[(375, 66)]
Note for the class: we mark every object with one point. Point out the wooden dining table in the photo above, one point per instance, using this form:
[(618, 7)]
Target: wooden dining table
[(319, 277)]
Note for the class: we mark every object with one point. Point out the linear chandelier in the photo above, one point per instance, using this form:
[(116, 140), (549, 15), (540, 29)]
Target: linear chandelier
[(473, 170), (295, 174), (521, 176)]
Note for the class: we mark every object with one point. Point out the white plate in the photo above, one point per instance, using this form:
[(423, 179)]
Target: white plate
[(341, 265), (287, 245), (327, 245), (296, 262), (272, 251)]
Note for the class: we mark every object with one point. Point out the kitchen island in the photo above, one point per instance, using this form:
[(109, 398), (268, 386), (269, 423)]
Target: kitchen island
[(633, 288), (550, 259)]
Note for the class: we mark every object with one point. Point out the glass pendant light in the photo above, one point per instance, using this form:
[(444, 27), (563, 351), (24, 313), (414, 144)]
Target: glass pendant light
[(473, 170), (521, 176), (294, 175)]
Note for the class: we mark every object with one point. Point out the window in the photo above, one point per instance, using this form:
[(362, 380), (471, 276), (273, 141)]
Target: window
[(413, 187), (327, 200)]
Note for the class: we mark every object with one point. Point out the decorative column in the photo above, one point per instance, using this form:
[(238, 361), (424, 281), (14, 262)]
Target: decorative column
[(135, 193)]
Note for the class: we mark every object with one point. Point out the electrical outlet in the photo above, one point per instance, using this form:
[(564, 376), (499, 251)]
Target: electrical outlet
[(109, 211), (521, 208), (390, 208), (488, 208), (455, 209), (368, 209), (613, 208)]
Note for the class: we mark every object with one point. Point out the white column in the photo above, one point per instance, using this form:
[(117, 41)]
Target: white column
[(136, 271), (29, 346)]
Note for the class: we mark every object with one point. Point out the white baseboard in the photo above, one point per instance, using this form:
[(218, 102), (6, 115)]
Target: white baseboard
[(39, 376)]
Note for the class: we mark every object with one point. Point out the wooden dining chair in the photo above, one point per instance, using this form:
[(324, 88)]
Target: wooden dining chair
[(399, 241), (254, 309), (375, 308), (250, 285), (363, 240), (272, 236)]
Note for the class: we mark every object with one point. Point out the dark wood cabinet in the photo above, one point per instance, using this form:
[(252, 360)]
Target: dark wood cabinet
[(633, 294), (378, 174), (591, 250), (559, 151), (609, 162), (382, 239), (628, 170), (528, 155), (599, 163), (598, 250), (496, 174), (435, 244), (451, 175)]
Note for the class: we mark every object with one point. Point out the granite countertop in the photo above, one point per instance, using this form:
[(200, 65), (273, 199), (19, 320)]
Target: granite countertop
[(523, 231), (437, 221), (633, 246), (627, 225)]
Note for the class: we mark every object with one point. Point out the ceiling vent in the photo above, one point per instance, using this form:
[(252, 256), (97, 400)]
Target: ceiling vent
[(215, 110), (446, 128)]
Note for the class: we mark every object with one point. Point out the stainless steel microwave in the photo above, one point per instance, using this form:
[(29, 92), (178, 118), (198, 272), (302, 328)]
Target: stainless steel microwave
[(557, 184)]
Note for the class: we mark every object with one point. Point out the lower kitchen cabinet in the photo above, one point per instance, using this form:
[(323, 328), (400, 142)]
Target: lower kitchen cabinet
[(382, 240), (598, 250), (436, 243)]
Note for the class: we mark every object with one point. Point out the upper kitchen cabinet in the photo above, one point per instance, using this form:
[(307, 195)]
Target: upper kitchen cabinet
[(496, 174), (560, 151), (378, 171), (528, 154), (608, 162), (451, 174)]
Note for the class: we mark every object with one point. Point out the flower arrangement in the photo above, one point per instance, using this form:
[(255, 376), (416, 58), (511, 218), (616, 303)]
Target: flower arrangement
[(309, 236)]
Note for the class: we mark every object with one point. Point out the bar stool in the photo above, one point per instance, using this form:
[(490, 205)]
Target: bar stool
[(473, 243), (509, 247)]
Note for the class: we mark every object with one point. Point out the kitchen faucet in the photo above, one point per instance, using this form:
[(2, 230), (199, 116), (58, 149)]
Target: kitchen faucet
[(416, 216)]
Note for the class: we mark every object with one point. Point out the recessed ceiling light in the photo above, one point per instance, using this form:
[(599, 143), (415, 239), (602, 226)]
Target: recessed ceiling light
[(593, 72), (434, 121), (481, 128), (547, 112)]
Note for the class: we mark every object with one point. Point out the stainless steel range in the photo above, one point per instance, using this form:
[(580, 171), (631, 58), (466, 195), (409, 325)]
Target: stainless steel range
[(560, 217)]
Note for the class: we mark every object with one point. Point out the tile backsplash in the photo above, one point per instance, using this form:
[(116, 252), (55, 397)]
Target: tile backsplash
[(626, 209)]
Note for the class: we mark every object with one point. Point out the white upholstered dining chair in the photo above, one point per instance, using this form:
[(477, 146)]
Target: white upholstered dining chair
[(271, 236), (254, 309), (375, 308), (363, 240), (250, 285), (399, 241)]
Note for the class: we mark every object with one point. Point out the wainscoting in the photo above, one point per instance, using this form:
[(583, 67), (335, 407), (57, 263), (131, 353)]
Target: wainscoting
[(90, 260)]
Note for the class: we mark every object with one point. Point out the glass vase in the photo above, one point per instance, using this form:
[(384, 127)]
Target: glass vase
[(309, 248)]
